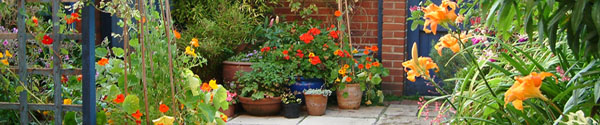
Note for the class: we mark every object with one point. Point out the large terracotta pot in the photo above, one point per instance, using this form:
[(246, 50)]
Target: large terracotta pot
[(316, 104), (231, 68), (230, 111), (354, 97), (261, 107)]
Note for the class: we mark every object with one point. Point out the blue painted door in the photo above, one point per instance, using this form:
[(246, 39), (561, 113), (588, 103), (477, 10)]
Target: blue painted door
[(425, 42)]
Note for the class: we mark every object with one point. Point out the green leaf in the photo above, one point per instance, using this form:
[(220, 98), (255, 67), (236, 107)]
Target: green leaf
[(19, 89), (64, 51), (207, 111), (515, 64), (118, 51), (376, 80), (194, 84), (113, 91), (70, 119), (100, 118), (220, 97), (131, 104), (134, 43), (577, 15), (101, 52)]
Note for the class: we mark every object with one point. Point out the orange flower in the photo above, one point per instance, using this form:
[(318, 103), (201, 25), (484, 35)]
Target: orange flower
[(348, 79), (334, 34), (368, 66), (163, 108), (376, 64), (194, 42), (285, 52), (103, 61), (459, 19), (435, 15), (449, 41), (306, 37), (137, 114), (368, 59), (361, 66), (205, 87), (525, 88), (374, 48), (176, 34), (120, 98), (419, 66), (366, 52), (314, 60), (79, 77), (325, 45), (337, 13), (338, 52), (224, 117), (314, 31), (34, 20), (346, 66)]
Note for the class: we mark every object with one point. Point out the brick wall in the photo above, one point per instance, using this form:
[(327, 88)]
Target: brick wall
[(363, 27)]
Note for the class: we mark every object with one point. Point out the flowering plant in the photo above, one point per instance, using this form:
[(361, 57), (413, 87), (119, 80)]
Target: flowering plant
[(290, 97)]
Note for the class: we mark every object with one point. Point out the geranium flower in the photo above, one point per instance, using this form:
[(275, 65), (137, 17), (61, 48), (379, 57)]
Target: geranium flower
[(137, 114), (314, 60), (419, 66), (525, 88), (176, 34), (286, 57), (337, 13), (164, 120), (34, 20), (285, 52), (163, 108), (120, 98), (265, 49), (306, 37), (213, 84), (334, 34), (205, 87), (190, 51), (314, 31), (103, 61), (67, 101), (449, 41), (47, 40), (230, 96), (194, 42), (435, 15)]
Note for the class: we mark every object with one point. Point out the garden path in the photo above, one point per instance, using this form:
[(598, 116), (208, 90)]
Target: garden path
[(400, 113)]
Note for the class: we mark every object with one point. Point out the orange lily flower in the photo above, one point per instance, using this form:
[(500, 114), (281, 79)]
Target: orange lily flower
[(435, 15), (449, 41), (525, 88), (419, 66)]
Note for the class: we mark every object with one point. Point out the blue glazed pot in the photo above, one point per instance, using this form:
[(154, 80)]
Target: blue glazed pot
[(304, 84)]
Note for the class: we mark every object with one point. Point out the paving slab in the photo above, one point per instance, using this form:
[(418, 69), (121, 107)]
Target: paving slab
[(402, 120), (329, 120), (245, 119), (407, 110), (362, 112)]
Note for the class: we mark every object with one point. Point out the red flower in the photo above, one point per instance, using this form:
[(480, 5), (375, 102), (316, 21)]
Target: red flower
[(325, 45), (314, 31), (347, 54), (306, 37), (47, 40), (299, 53), (315, 60), (205, 87), (368, 59), (348, 79), (368, 66), (366, 52), (120, 98), (374, 48), (163, 108), (376, 64), (103, 61), (63, 79), (137, 114), (34, 20), (334, 34), (286, 57), (285, 52), (361, 66), (338, 53), (265, 49), (138, 122), (337, 13), (79, 77), (332, 26)]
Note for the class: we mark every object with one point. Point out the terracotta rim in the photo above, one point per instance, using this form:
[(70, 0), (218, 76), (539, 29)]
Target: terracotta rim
[(260, 101), (237, 63)]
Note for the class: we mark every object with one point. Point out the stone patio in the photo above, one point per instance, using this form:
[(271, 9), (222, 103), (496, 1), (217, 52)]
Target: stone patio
[(393, 114)]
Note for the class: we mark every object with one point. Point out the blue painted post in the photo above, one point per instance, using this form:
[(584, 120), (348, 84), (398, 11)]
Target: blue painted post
[(56, 69), (89, 66), (22, 55)]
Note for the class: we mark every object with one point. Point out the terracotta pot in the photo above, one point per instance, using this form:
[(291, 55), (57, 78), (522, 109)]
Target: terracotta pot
[(261, 107), (230, 111), (354, 97), (231, 68), (316, 104)]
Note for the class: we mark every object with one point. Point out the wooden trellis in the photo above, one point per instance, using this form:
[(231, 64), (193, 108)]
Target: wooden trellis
[(88, 69)]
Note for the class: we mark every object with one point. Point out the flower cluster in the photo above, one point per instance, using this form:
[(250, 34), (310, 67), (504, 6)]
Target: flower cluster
[(4, 57), (73, 18)]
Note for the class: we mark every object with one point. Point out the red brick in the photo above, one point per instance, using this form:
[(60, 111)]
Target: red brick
[(393, 26), (361, 18), (365, 4), (387, 79), (388, 5), (400, 5), (389, 56), (387, 64), (396, 72), (388, 19), (391, 85), (399, 49), (400, 34), (388, 41), (393, 12), (371, 11)]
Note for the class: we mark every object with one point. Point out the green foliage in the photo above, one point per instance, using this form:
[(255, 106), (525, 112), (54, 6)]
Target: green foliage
[(290, 97), (267, 79), (448, 66), (324, 92)]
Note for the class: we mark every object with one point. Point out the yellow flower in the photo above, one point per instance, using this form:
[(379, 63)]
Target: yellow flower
[(525, 88), (1, 55), (449, 41), (8, 54), (190, 51), (435, 15), (346, 66), (213, 84), (311, 54), (355, 51), (4, 61), (164, 120), (342, 71), (67, 101), (337, 80), (194, 42), (419, 66)]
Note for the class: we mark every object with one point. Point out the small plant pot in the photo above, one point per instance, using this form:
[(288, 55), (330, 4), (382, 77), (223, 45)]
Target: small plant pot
[(316, 104), (291, 110), (261, 107), (230, 111), (352, 101)]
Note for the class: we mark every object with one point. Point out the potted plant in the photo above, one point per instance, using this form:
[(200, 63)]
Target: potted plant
[(237, 63), (316, 101), (263, 86), (232, 99), (291, 105)]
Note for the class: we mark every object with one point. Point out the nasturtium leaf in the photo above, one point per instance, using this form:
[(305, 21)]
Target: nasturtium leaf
[(70, 119), (100, 118), (376, 79), (19, 89), (131, 104), (206, 111), (219, 97), (362, 74), (113, 91), (194, 84), (118, 51), (101, 52), (220, 121)]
